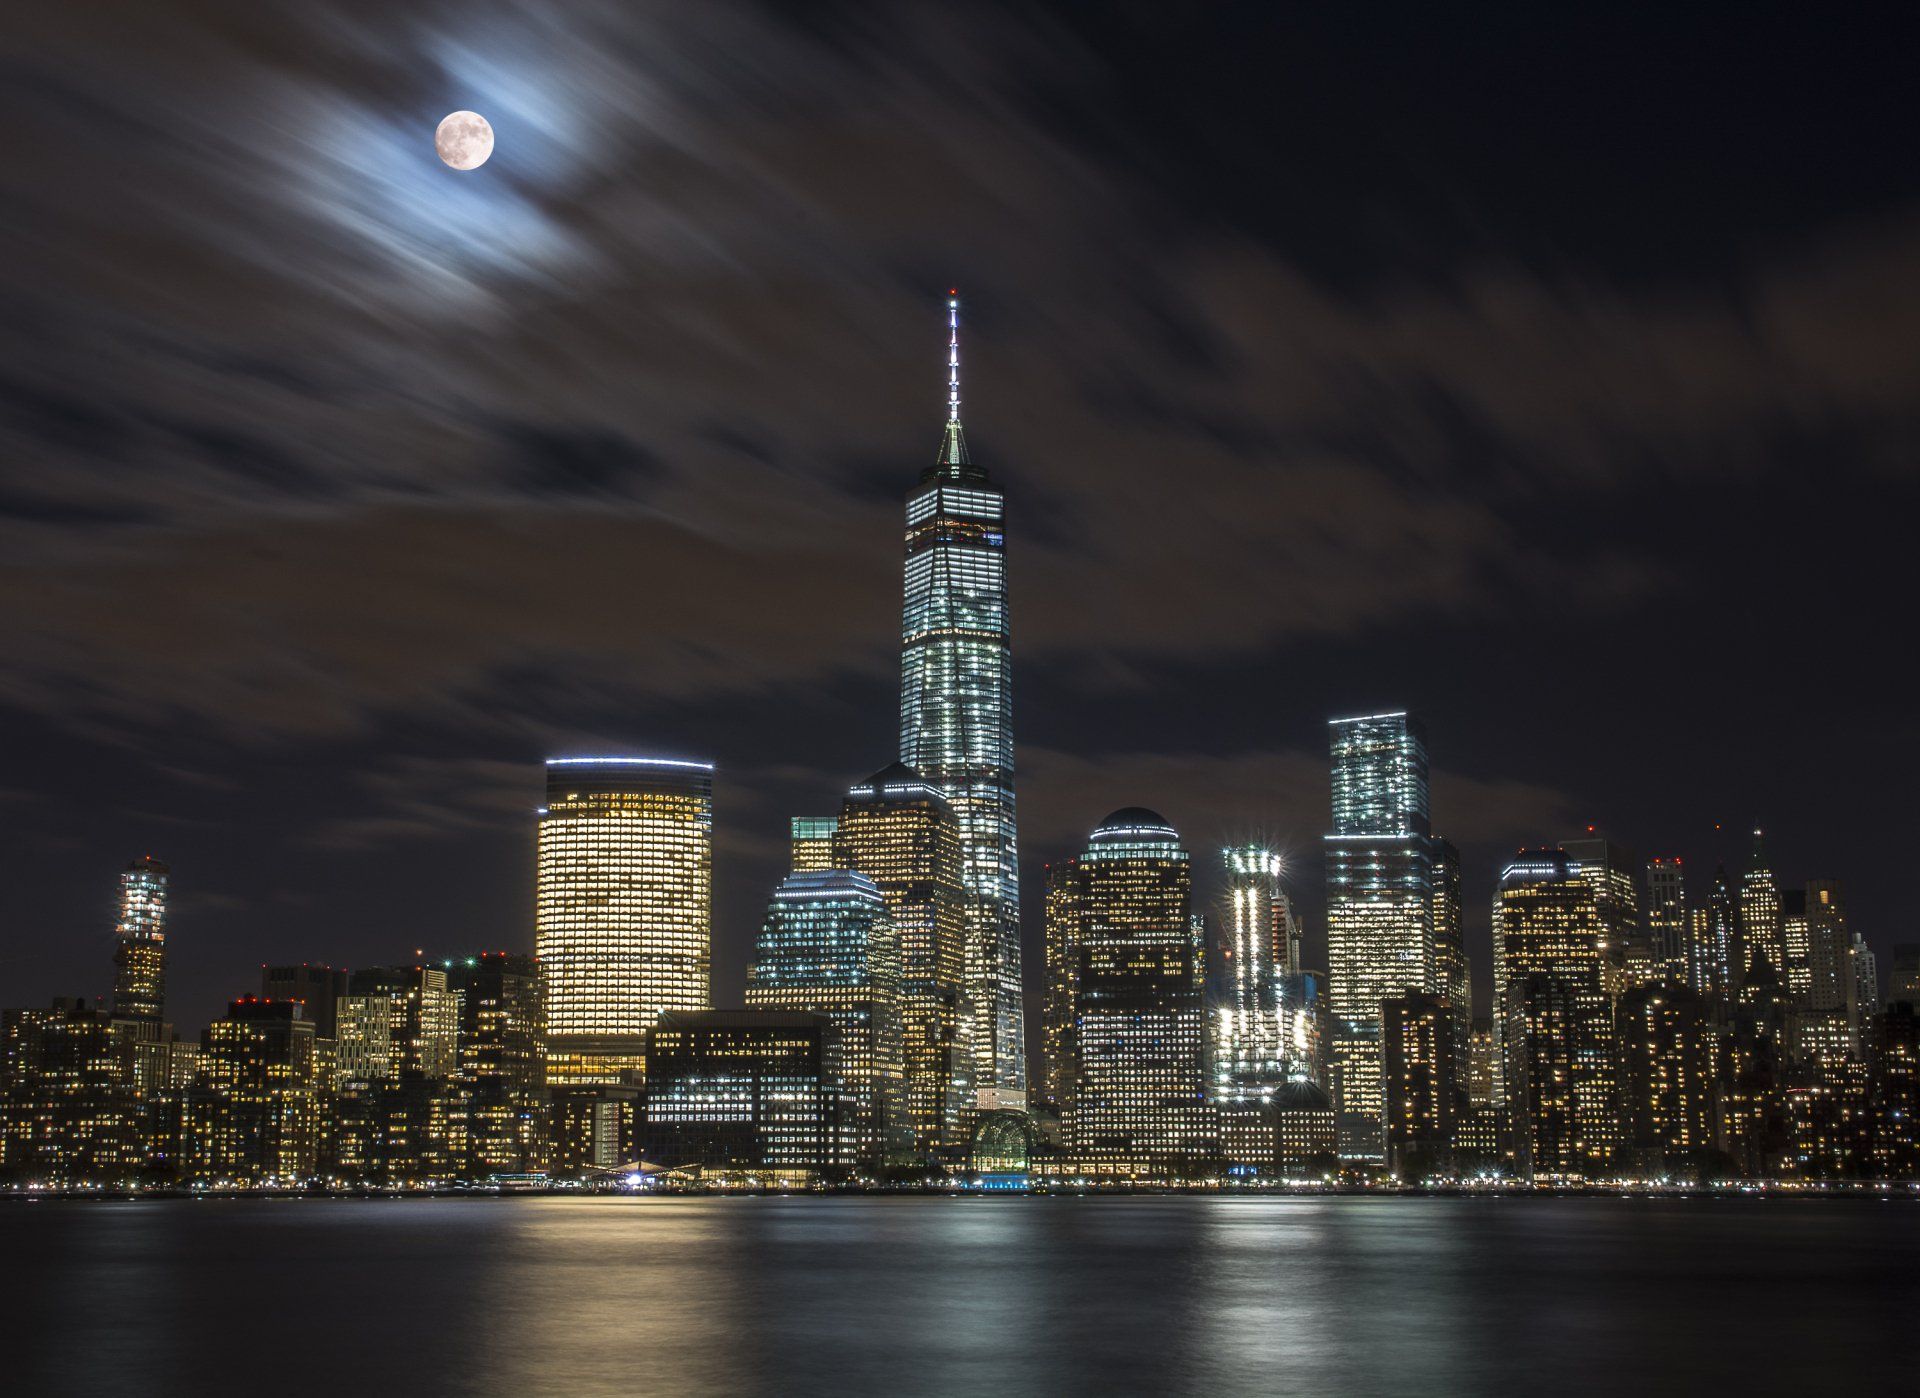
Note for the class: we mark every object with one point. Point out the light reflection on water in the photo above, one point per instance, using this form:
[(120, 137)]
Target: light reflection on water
[(501, 1298)]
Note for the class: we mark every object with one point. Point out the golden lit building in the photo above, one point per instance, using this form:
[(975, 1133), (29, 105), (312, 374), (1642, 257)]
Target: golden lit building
[(1547, 924), (70, 1116), (624, 915), (811, 842), (900, 832)]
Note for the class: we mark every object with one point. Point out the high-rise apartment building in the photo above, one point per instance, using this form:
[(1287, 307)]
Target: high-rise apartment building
[(140, 943), (69, 1113), (898, 831), (624, 906), (501, 1062), (1667, 1078), (397, 1021), (1133, 1000), (956, 724), (1379, 867), (828, 947), (1251, 1043), (1548, 929), (253, 1120)]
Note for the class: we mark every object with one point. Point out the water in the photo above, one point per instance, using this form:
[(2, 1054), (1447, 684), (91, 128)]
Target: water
[(853, 1295)]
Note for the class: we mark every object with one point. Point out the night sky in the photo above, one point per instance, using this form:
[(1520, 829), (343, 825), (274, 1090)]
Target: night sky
[(1556, 376)]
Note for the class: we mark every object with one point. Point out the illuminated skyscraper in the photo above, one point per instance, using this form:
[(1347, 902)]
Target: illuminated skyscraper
[(1616, 896), (624, 916), (1713, 941), (956, 725), (827, 947), (1667, 918), (1379, 863), (1250, 1039), (1452, 974), (898, 831), (1548, 932), (1760, 913), (140, 943), (811, 841), (1134, 1104), (502, 1062)]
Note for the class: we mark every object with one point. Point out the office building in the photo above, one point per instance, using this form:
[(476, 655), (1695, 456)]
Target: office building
[(744, 1094), (827, 947), (1547, 927), (624, 907), (810, 841), (898, 831), (1760, 913), (1667, 919), (1610, 870), (1134, 1102), (956, 725), (501, 1064), (1380, 943)]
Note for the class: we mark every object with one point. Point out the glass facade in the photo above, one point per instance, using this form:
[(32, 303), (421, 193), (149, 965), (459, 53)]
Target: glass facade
[(1380, 937), (624, 905), (956, 725), (827, 947)]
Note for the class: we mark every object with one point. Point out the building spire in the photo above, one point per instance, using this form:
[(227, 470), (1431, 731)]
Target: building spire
[(953, 443)]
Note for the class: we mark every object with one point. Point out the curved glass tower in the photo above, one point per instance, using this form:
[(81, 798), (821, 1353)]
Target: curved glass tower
[(956, 724)]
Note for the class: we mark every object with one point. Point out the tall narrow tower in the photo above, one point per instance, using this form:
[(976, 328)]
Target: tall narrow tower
[(956, 723), (140, 943)]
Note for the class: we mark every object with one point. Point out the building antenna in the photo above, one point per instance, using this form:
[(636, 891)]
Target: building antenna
[(953, 354)]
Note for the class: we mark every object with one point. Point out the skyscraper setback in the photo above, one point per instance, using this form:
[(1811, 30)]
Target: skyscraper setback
[(956, 726)]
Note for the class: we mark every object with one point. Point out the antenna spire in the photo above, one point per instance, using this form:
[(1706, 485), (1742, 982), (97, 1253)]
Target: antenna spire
[(953, 354)]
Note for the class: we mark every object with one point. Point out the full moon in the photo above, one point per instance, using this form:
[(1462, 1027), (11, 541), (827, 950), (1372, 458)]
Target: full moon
[(464, 140)]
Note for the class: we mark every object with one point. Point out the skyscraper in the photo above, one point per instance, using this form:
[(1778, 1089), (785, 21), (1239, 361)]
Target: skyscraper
[(1453, 976), (898, 831), (1714, 941), (1379, 864), (140, 943), (827, 947), (1760, 913), (1548, 935), (624, 915), (956, 725), (1616, 895), (1134, 1103), (1667, 917), (1250, 1039), (1667, 1080), (1421, 1093), (810, 839)]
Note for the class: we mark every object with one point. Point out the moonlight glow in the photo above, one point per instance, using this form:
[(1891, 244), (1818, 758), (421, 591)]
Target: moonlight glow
[(464, 140)]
